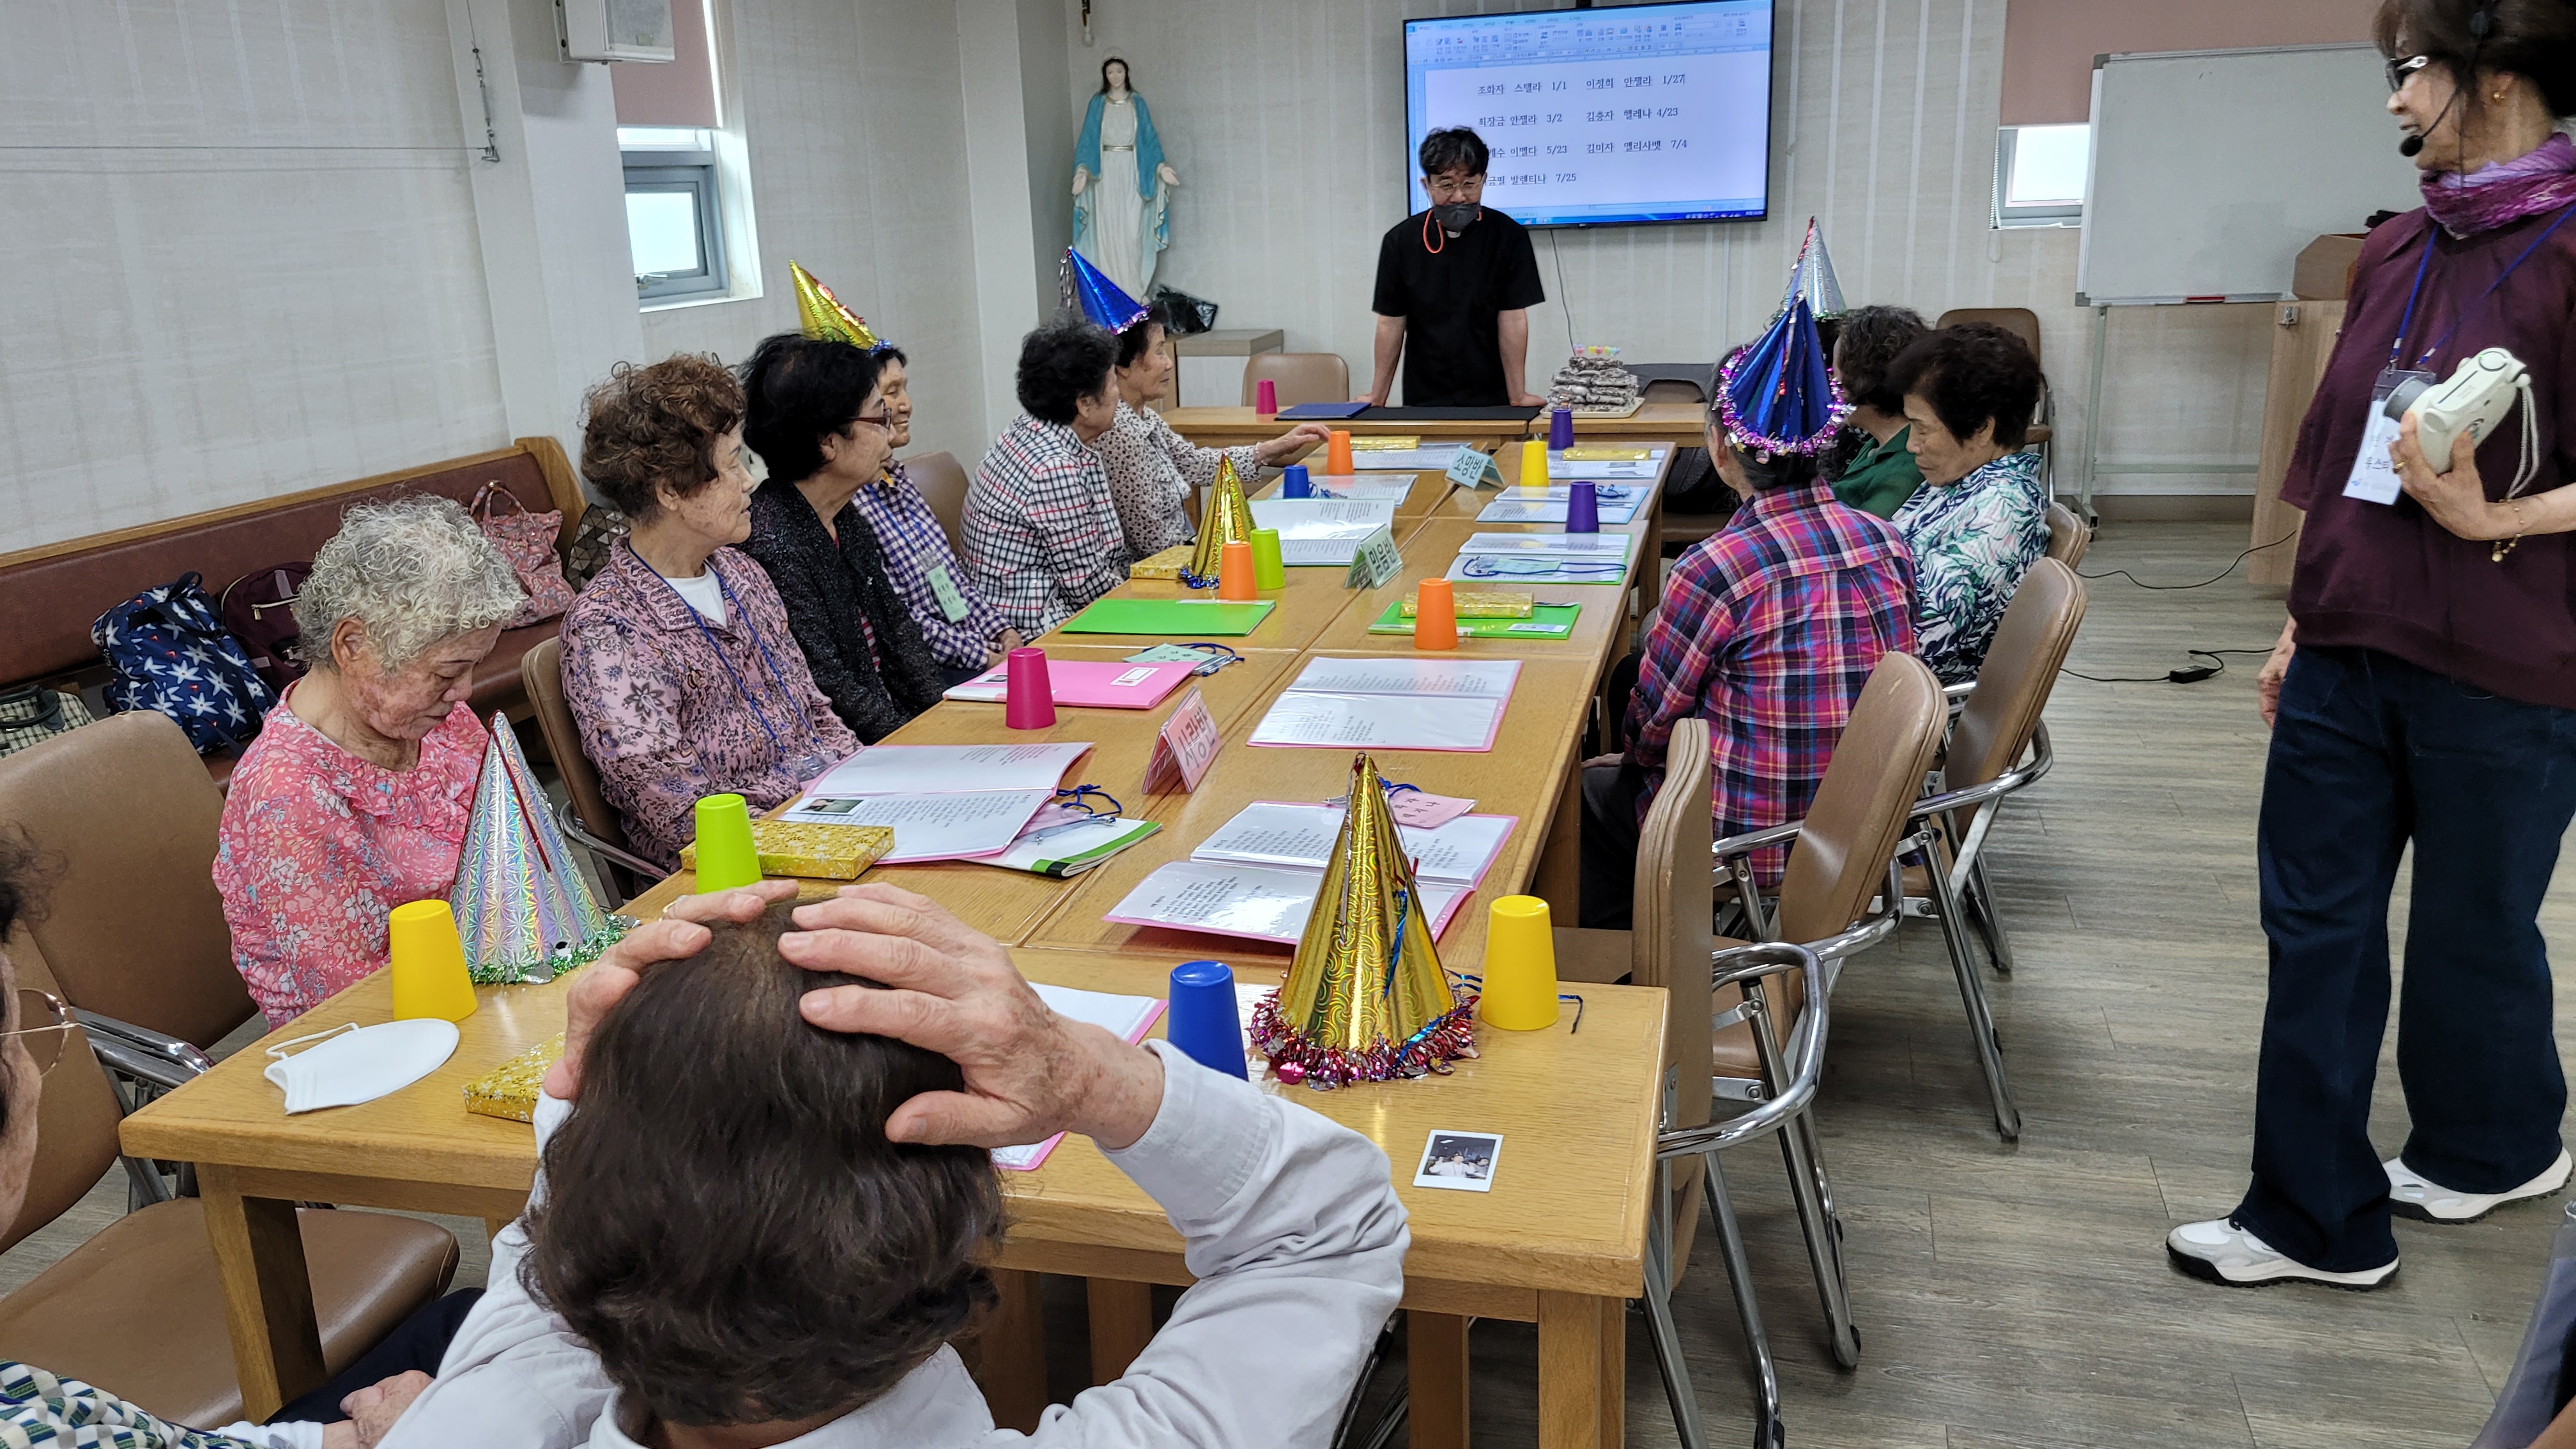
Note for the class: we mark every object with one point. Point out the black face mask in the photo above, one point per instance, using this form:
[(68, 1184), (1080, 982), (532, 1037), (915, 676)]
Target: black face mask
[(1456, 216)]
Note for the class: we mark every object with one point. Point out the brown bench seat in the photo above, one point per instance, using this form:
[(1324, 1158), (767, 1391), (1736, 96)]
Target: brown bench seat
[(51, 594)]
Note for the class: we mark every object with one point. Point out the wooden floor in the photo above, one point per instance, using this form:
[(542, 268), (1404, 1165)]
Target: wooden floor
[(2019, 1296)]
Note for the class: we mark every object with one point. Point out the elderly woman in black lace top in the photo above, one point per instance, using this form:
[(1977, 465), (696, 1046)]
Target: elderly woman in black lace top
[(818, 419)]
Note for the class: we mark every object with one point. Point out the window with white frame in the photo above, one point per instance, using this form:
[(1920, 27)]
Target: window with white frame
[(2041, 173), (674, 211)]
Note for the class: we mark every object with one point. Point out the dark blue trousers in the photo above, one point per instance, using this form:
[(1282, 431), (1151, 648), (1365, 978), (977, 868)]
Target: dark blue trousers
[(2370, 752)]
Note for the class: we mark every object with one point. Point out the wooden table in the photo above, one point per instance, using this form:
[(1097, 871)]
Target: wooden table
[(1429, 492), (1530, 773), (1682, 424), (1600, 631), (1560, 1242), (1311, 599), (1551, 1244), (1234, 427)]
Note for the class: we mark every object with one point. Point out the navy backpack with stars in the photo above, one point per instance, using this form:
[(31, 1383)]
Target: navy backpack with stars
[(171, 654)]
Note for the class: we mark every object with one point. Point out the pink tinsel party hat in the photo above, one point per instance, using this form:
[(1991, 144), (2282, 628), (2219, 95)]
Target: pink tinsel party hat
[(520, 902)]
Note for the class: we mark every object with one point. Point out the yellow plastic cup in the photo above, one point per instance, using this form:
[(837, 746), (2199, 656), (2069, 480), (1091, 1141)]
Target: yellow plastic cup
[(726, 856), (1520, 966), (428, 963), (1534, 464), (1268, 572)]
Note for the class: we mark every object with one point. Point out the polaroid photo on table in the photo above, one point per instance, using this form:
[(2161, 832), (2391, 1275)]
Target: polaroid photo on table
[(1464, 1161)]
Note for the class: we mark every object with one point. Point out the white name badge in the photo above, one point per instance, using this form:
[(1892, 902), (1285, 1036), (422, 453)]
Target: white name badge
[(2374, 478)]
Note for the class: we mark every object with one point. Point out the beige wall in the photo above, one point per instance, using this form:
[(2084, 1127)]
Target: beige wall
[(2050, 44), (1286, 124), (850, 112)]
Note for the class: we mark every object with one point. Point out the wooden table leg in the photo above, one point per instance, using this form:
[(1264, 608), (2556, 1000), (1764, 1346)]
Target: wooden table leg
[(1558, 878), (1122, 1323), (1582, 1371), (1008, 1358), (1435, 1366), (268, 1294)]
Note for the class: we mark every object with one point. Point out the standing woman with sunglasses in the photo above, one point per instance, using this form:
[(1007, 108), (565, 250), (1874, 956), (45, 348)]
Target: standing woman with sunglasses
[(2424, 689), (818, 417)]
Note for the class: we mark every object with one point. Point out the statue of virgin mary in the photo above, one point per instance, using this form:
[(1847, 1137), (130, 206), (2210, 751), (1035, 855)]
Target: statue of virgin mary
[(1122, 187)]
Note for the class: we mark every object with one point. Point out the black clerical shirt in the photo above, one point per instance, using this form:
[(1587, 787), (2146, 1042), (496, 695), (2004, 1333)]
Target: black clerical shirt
[(1450, 300)]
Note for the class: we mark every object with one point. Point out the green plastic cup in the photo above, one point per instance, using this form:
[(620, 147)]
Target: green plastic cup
[(726, 856), (1267, 571)]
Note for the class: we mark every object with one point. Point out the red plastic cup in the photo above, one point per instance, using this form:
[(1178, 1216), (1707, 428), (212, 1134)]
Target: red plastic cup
[(1028, 699), (1235, 577), (1265, 398)]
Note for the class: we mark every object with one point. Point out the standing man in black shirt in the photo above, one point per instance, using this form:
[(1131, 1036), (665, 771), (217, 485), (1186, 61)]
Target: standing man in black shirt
[(1454, 289)]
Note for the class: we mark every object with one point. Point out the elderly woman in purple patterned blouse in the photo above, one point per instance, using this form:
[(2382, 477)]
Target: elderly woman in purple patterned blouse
[(677, 660)]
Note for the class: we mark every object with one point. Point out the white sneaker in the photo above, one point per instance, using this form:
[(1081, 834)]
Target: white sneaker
[(2219, 1251), (2410, 1194)]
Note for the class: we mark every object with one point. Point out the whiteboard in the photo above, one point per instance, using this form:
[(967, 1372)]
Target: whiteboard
[(2212, 169)]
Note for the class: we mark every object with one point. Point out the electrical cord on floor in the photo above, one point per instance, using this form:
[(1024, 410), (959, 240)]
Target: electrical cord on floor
[(1564, 298), (2193, 675), (2204, 583)]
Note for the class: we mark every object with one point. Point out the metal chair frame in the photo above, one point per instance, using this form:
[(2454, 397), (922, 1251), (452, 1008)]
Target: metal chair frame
[(143, 1064), (1784, 1114), (568, 819), (1961, 891)]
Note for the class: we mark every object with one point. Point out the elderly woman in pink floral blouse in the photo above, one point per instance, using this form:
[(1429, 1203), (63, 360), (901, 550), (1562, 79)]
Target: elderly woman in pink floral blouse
[(353, 800), (677, 660)]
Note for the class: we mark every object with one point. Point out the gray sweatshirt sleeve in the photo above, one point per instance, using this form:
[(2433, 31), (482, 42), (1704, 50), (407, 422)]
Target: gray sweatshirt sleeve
[(1297, 1240), (514, 1377)]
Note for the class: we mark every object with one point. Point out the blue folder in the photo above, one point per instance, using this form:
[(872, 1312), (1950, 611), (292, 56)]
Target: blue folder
[(1304, 412)]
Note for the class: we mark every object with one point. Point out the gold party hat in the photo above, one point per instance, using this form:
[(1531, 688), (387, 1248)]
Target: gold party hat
[(822, 316), (1366, 999), (1228, 520)]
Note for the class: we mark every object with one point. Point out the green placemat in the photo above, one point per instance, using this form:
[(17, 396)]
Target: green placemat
[(1546, 621), (1180, 618)]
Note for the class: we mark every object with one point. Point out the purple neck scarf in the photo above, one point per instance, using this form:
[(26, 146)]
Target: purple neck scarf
[(2498, 195)]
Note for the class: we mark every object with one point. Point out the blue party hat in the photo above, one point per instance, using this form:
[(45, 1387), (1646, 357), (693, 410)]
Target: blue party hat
[(1097, 296), (1776, 395)]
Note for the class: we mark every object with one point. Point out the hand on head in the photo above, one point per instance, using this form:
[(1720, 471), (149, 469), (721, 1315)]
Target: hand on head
[(947, 988), (953, 990)]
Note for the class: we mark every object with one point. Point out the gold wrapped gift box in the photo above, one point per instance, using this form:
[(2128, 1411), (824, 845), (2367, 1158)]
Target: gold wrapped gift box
[(1481, 604), (1165, 566), (811, 851), (510, 1089)]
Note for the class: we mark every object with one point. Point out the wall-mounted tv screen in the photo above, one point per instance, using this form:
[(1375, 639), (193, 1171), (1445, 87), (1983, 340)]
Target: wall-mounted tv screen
[(1630, 113)]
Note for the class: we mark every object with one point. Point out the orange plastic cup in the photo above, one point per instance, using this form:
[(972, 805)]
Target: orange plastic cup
[(1337, 454), (1435, 615), (1235, 578)]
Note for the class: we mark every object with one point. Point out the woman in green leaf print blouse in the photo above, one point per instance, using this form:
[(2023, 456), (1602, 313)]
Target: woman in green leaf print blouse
[(1981, 518)]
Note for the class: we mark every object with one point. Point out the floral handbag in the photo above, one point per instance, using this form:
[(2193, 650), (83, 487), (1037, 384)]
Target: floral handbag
[(527, 539)]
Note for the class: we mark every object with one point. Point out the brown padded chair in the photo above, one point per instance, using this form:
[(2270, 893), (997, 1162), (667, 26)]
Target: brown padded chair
[(601, 831), (1999, 745), (2069, 537), (1303, 377), (2024, 324), (1668, 941), (132, 926), (139, 1309), (943, 486), (1843, 854), (1673, 390)]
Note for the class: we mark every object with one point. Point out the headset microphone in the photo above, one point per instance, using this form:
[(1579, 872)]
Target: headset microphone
[(2411, 147)]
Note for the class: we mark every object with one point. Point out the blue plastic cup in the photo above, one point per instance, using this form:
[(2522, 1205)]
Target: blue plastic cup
[(1203, 1023), (1582, 509), (1293, 482)]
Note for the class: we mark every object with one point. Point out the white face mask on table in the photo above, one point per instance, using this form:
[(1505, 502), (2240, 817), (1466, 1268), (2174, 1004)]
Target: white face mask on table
[(359, 1064)]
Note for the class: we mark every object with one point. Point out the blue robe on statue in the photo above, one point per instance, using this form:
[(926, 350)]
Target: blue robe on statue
[(1154, 223)]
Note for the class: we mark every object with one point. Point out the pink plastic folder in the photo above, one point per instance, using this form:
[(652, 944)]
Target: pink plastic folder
[(1087, 684)]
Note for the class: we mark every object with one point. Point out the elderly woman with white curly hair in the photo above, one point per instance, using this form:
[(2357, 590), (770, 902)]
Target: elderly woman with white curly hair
[(354, 798)]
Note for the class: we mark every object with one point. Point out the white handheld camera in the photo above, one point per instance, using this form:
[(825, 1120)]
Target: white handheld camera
[(2475, 399)]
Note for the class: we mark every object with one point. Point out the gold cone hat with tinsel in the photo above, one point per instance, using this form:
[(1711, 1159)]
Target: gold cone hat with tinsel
[(1228, 520), (520, 902), (1366, 999), (823, 318)]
